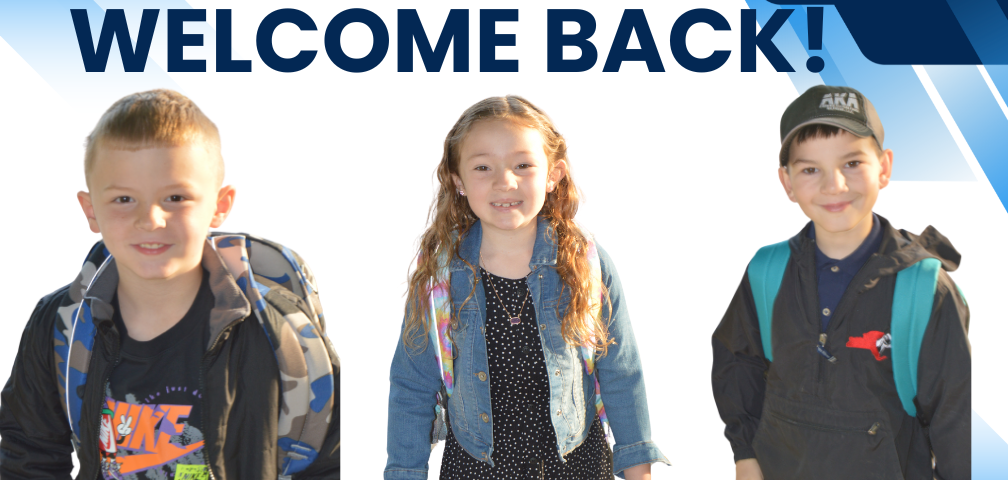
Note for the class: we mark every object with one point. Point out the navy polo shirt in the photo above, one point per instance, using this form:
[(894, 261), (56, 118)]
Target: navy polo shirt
[(833, 276)]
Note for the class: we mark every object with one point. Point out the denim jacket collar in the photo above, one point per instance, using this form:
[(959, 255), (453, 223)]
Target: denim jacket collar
[(544, 252)]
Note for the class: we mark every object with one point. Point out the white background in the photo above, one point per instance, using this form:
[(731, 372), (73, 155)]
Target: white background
[(678, 171)]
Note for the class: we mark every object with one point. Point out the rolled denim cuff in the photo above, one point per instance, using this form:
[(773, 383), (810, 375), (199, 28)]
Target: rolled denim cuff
[(403, 474), (639, 453)]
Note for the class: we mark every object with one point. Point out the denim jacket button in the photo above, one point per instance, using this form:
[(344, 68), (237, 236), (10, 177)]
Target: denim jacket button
[(484, 417), (558, 412), (540, 276), (482, 376), (542, 327), (557, 372)]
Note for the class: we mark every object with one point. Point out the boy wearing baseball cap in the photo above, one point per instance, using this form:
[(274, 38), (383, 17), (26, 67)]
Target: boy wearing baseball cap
[(844, 352)]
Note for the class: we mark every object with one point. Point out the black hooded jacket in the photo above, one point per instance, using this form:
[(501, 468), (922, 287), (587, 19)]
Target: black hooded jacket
[(240, 381), (802, 416)]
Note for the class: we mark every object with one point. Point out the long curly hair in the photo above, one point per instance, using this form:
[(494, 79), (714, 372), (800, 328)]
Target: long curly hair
[(452, 218)]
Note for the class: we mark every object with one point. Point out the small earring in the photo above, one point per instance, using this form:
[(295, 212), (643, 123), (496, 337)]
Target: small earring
[(461, 193)]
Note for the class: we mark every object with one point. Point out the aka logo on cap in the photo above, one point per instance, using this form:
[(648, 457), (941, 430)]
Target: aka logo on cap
[(840, 101)]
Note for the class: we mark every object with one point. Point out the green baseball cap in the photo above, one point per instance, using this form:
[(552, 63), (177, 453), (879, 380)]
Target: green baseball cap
[(841, 107)]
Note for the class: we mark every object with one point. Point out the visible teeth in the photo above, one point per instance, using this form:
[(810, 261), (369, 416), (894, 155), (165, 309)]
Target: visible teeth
[(151, 246), (505, 204)]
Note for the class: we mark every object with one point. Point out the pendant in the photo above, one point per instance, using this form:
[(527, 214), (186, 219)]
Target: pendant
[(515, 320)]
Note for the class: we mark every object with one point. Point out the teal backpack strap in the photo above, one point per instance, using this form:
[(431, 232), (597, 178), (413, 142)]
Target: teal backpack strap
[(766, 270), (911, 312)]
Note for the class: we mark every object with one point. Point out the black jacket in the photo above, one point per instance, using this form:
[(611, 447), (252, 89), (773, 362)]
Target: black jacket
[(239, 376), (804, 417)]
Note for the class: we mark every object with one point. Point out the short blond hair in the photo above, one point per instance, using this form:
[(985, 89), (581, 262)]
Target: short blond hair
[(153, 119)]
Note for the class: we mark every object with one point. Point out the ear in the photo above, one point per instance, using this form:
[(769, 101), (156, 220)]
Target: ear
[(885, 173), (225, 200), (459, 186), (785, 180), (558, 173), (84, 198)]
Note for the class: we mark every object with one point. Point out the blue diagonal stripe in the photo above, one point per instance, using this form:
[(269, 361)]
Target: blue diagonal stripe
[(999, 74), (985, 26), (976, 112)]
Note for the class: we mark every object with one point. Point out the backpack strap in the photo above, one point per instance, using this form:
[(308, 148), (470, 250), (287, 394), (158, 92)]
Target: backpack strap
[(302, 350), (439, 319), (765, 272), (913, 300), (594, 310), (74, 328)]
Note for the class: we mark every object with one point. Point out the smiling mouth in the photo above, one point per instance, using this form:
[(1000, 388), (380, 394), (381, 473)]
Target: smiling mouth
[(151, 248), (506, 204), (836, 207)]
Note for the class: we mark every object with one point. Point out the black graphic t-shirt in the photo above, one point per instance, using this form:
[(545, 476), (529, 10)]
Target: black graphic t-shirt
[(151, 422)]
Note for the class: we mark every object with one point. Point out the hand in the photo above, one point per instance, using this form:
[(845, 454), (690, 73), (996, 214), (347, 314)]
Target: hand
[(124, 425), (748, 469), (638, 472)]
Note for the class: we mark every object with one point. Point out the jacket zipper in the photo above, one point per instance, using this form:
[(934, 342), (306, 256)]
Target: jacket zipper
[(202, 386), (871, 430), (108, 378), (821, 346)]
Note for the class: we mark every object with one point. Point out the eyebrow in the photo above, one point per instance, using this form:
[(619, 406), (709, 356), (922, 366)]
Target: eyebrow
[(166, 187)]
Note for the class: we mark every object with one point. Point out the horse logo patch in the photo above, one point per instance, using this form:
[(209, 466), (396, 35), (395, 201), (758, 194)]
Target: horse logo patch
[(873, 341)]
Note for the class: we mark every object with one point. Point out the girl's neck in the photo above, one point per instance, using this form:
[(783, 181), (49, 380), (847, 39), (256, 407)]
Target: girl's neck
[(507, 253)]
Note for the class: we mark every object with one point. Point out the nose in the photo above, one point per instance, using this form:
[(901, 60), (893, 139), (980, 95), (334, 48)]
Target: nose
[(150, 217), (506, 180), (834, 182)]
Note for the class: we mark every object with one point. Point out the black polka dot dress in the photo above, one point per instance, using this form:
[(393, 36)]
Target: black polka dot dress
[(524, 442)]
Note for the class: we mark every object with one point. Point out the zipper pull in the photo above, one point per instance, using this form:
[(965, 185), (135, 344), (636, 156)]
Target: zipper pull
[(821, 348), (874, 429)]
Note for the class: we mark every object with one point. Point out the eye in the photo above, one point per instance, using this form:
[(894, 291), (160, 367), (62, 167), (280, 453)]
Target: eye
[(122, 199), (853, 163), (525, 165), (175, 198), (482, 168), (810, 170)]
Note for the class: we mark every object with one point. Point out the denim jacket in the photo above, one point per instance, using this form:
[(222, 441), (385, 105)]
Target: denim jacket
[(415, 377)]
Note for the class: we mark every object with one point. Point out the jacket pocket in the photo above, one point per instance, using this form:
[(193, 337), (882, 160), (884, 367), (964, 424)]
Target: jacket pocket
[(796, 440)]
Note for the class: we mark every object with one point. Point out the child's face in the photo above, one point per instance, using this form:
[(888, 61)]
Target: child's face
[(505, 174), (154, 207), (836, 180)]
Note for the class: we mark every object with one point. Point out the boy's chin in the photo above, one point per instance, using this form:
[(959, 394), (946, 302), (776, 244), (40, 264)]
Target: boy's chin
[(837, 224)]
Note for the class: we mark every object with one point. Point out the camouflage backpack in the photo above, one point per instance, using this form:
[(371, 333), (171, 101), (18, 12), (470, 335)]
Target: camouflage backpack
[(302, 350)]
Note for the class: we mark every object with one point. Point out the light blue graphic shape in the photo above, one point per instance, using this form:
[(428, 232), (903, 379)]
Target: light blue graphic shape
[(989, 451), (906, 110), (43, 34), (999, 75), (979, 118)]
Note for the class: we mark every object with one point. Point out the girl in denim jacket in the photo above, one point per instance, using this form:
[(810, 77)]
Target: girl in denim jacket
[(528, 320)]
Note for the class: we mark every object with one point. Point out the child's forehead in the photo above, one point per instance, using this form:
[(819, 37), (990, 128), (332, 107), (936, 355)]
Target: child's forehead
[(838, 146), (187, 163)]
